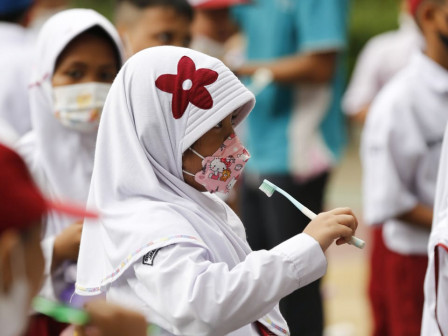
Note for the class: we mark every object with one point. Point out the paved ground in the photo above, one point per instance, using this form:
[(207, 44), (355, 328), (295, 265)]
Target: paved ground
[(344, 289)]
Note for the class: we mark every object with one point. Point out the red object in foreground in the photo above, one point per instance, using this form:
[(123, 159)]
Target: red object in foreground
[(21, 202)]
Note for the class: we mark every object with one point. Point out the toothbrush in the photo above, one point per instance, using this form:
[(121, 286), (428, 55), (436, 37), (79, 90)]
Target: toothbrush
[(66, 314), (60, 312), (269, 188)]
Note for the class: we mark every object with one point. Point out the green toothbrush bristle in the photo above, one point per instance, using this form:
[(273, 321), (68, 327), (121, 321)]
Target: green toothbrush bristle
[(267, 188)]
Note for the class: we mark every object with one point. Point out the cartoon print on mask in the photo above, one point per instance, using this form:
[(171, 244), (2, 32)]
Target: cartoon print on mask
[(221, 170), (225, 175), (217, 167)]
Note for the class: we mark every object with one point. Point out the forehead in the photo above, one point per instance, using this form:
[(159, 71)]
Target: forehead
[(88, 46)]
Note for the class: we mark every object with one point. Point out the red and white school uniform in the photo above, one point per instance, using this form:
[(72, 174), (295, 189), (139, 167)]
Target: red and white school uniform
[(381, 58), (400, 154)]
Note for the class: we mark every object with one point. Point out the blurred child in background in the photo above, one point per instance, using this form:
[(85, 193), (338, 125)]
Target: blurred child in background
[(16, 59), (400, 152), (213, 26), (78, 55), (22, 208), (149, 23), (296, 132), (380, 59)]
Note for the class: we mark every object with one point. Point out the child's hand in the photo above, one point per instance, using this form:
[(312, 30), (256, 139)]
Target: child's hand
[(339, 223), (66, 244), (111, 320)]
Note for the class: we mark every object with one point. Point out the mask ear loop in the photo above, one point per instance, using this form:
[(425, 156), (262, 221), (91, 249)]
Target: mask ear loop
[(195, 152), (188, 173)]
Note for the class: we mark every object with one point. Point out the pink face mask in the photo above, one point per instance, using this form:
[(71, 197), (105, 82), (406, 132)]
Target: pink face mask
[(220, 171)]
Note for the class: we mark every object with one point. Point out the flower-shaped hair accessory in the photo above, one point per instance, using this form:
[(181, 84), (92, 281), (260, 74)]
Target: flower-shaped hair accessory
[(188, 86)]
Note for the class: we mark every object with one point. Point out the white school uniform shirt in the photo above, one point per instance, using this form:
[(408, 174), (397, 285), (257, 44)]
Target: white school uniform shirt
[(16, 58), (435, 310), (401, 150), (199, 275), (60, 159), (380, 59)]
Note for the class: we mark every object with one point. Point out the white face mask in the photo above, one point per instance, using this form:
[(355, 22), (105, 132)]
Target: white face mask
[(14, 305), (208, 46), (79, 106)]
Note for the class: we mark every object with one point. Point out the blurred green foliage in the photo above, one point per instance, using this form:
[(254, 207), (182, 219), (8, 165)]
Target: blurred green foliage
[(105, 7), (367, 18)]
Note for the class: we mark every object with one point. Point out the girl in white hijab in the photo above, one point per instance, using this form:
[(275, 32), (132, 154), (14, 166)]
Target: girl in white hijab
[(165, 244), (78, 56)]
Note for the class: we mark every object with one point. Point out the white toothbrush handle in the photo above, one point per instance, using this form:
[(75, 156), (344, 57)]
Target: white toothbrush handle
[(355, 241), (307, 212)]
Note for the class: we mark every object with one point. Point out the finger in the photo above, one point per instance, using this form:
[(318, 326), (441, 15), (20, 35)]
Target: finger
[(349, 221), (344, 232), (342, 211)]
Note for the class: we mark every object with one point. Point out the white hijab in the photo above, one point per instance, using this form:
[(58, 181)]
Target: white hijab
[(137, 183), (61, 159)]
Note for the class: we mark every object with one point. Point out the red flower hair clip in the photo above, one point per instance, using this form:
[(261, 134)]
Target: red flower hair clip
[(188, 86)]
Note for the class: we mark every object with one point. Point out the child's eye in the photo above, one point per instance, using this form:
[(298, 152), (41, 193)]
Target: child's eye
[(75, 74), (219, 125), (234, 120), (107, 76), (186, 42), (165, 37)]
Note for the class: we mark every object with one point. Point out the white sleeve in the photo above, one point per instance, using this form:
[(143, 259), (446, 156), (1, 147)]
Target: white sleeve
[(47, 289), (364, 82), (392, 147), (188, 294)]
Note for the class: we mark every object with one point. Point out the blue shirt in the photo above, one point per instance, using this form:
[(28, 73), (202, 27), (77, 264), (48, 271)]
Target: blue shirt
[(281, 28)]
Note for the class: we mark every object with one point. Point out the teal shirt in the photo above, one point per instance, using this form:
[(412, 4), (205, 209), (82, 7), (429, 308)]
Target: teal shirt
[(280, 28)]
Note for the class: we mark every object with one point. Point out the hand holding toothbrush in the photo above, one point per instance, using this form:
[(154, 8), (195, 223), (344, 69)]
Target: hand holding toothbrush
[(338, 224), (269, 188)]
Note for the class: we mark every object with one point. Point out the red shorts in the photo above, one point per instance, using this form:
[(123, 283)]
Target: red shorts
[(396, 290)]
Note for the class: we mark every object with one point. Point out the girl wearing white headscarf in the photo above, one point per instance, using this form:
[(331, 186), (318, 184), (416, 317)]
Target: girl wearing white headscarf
[(162, 244), (70, 83)]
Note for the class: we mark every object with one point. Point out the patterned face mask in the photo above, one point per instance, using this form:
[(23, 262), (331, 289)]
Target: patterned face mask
[(220, 171), (79, 106)]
